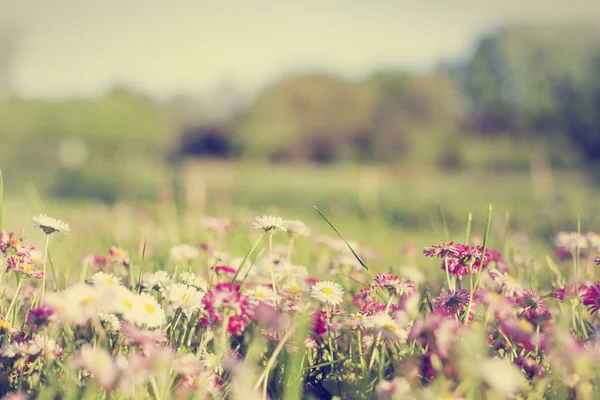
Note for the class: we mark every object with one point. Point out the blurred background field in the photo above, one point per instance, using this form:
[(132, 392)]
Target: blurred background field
[(372, 113)]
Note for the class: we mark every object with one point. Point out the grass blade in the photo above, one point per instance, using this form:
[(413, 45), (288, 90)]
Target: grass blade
[(443, 219), (468, 230), (246, 258), (341, 237), (1, 198)]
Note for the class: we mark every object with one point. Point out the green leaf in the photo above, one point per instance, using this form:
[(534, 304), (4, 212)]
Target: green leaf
[(341, 237)]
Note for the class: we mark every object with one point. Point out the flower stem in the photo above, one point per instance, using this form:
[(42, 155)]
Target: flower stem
[(271, 267), (45, 263)]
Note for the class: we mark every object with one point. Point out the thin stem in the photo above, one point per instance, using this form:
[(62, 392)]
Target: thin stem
[(271, 266), (45, 263), (14, 299), (290, 250), (447, 272)]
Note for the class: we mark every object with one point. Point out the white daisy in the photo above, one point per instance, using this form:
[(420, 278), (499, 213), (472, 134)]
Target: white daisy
[(50, 225), (188, 298), (261, 293), (103, 278), (294, 287), (149, 312), (128, 305), (191, 279), (211, 361), (291, 271), (396, 330), (296, 227), (269, 223), (328, 292), (99, 363), (158, 279), (113, 325), (184, 252)]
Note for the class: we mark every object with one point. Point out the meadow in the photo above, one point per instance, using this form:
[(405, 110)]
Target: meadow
[(288, 282)]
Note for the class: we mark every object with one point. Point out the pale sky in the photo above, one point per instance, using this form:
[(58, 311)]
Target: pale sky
[(82, 47)]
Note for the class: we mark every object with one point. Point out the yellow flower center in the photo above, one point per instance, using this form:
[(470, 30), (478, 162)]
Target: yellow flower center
[(327, 291), (127, 304), (184, 297), (510, 278), (149, 308), (117, 253), (526, 325), (295, 289), (89, 300), (390, 328), (110, 281), (259, 294), (5, 325)]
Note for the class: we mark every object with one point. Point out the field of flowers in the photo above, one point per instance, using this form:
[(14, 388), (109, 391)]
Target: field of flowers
[(265, 307)]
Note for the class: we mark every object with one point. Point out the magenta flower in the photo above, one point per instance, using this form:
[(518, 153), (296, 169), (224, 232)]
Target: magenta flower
[(393, 284), (443, 250), (225, 270), (531, 305), (591, 297), (597, 261), (224, 301), (452, 302)]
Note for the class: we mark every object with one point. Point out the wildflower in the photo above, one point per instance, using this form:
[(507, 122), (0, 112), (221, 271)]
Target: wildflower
[(99, 363), (296, 228), (184, 252), (50, 225), (391, 329), (328, 292), (157, 280), (357, 321), (269, 223), (211, 361), (191, 279), (102, 278), (119, 256), (394, 284), (443, 250), (531, 306), (597, 261), (291, 271), (262, 293), (142, 337), (113, 325), (224, 301), (224, 270), (149, 312), (591, 297), (501, 376), (44, 346), (217, 224), (452, 302), (188, 298)]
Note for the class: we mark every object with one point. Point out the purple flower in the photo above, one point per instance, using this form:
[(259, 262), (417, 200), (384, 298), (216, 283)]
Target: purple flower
[(452, 302)]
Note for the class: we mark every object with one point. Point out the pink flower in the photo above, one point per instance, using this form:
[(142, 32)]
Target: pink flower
[(225, 270), (452, 302), (144, 338), (531, 306), (394, 284), (224, 301), (443, 250), (591, 297)]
